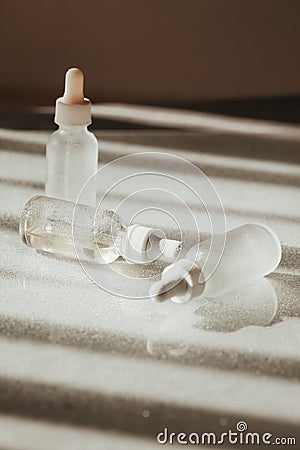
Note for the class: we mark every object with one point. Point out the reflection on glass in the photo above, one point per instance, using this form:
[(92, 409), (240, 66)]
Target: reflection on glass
[(253, 305)]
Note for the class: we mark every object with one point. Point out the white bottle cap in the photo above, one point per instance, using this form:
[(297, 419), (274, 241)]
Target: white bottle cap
[(179, 282), (73, 108), (170, 249)]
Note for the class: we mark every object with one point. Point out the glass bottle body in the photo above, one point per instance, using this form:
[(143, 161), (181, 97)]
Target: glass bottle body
[(73, 230), (67, 230), (72, 157), (251, 251)]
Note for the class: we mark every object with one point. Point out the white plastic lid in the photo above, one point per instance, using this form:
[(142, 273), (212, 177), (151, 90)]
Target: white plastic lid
[(73, 108), (179, 282)]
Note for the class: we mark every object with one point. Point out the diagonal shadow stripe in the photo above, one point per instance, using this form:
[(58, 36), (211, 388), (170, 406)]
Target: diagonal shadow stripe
[(99, 410), (196, 355)]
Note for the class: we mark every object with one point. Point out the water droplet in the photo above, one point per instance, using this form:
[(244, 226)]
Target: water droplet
[(223, 421)]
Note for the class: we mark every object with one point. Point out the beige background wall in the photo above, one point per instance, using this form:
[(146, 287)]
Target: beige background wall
[(151, 51)]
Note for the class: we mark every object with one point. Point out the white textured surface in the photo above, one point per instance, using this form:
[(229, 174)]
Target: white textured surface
[(72, 351), (41, 435)]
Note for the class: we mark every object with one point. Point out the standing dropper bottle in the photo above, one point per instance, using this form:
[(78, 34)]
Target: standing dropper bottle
[(72, 150)]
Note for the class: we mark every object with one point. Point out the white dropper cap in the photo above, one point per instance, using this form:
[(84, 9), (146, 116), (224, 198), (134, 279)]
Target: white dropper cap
[(179, 282), (73, 108), (142, 245)]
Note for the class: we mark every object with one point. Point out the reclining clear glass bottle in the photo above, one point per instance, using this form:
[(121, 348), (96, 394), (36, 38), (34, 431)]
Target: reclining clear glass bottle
[(69, 230)]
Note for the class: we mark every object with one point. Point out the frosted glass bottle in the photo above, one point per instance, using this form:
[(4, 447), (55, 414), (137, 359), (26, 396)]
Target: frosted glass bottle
[(72, 157), (251, 251), (72, 150)]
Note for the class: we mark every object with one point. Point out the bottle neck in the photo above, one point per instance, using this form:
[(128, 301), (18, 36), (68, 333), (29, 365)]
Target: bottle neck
[(72, 128)]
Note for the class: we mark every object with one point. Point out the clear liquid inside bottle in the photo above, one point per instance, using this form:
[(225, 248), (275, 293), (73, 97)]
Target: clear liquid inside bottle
[(59, 228), (72, 158)]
